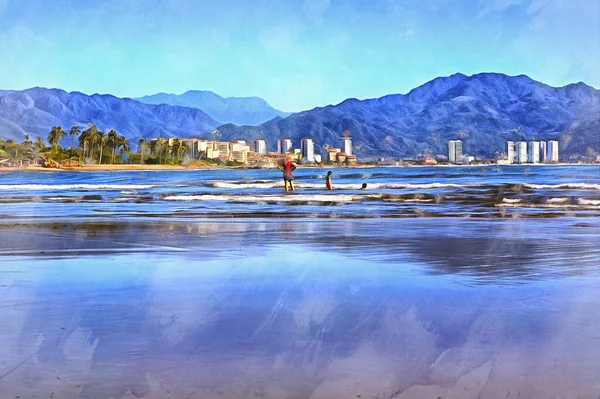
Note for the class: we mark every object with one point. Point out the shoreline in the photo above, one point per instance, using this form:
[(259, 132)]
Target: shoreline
[(137, 167)]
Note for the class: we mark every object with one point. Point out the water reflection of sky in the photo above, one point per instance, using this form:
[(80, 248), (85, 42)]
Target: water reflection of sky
[(292, 309)]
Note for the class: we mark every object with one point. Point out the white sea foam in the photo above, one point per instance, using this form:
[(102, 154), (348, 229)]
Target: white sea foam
[(265, 198), (337, 186), (558, 200), (550, 206), (583, 186), (511, 200), (47, 187), (428, 185), (585, 201), (279, 184)]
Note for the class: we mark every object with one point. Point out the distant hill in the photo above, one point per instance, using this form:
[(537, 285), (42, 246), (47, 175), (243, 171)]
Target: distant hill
[(237, 110), (484, 109), (34, 111)]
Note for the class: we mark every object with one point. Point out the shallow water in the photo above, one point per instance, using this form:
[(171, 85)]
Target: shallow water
[(487, 191), (169, 299)]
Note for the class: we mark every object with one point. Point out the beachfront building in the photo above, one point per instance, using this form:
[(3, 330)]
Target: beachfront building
[(340, 157), (511, 152), (239, 156), (467, 159), (543, 153), (347, 145), (284, 145), (308, 150), (223, 148), (552, 155), (534, 152), (259, 146), (351, 160), (212, 153), (455, 148), (317, 158), (331, 155), (521, 151)]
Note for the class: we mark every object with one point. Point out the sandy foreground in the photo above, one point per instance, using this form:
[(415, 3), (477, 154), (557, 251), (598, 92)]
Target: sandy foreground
[(159, 309)]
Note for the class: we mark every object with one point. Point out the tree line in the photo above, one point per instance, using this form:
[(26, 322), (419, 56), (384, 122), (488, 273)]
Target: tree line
[(94, 146)]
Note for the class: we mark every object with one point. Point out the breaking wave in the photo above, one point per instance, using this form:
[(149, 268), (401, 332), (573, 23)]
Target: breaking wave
[(265, 198), (55, 187)]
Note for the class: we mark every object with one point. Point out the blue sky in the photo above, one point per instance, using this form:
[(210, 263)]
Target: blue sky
[(296, 54)]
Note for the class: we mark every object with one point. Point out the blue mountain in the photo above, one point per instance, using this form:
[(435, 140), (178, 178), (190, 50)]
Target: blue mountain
[(484, 110), (237, 110), (34, 111)]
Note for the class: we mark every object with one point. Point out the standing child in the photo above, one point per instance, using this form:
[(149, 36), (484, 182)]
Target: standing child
[(328, 181)]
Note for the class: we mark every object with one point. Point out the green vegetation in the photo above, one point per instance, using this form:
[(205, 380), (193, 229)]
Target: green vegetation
[(92, 144)]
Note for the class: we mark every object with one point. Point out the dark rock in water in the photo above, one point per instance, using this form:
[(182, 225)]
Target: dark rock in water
[(91, 198)]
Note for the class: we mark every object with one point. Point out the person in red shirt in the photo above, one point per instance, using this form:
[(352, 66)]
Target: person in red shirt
[(287, 167), (328, 183)]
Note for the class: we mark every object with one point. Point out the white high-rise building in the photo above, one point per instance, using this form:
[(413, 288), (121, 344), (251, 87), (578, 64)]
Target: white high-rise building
[(347, 145), (521, 151), (308, 150), (284, 146), (259, 146), (455, 154), (534, 152), (511, 152), (543, 153), (552, 151)]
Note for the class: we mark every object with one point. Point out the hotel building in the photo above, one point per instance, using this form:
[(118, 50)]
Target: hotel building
[(543, 152), (534, 152), (308, 150), (455, 148), (259, 146), (521, 151), (552, 151), (284, 145), (347, 145), (511, 152)]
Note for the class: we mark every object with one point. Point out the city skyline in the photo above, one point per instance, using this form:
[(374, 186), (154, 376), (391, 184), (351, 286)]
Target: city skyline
[(321, 51)]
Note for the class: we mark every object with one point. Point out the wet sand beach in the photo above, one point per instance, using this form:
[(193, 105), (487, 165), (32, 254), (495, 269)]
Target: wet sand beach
[(262, 297)]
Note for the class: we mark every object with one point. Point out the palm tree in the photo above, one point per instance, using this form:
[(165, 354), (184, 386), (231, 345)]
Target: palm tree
[(173, 147), (123, 145), (102, 141), (84, 139), (74, 132), (142, 144), (182, 149), (39, 144), (55, 135), (159, 147), (27, 146), (112, 143), (89, 136)]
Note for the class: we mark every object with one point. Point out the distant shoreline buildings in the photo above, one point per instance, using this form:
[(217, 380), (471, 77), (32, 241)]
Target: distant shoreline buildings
[(519, 152), (257, 153)]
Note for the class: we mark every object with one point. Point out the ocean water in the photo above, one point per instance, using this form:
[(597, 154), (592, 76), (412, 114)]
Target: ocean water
[(451, 282), (488, 191)]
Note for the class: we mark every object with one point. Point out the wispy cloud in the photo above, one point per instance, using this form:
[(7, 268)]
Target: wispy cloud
[(314, 10), (488, 6)]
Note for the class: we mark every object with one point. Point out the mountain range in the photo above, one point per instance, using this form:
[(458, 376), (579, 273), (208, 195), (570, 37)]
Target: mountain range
[(236, 110), (484, 110), (34, 111)]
